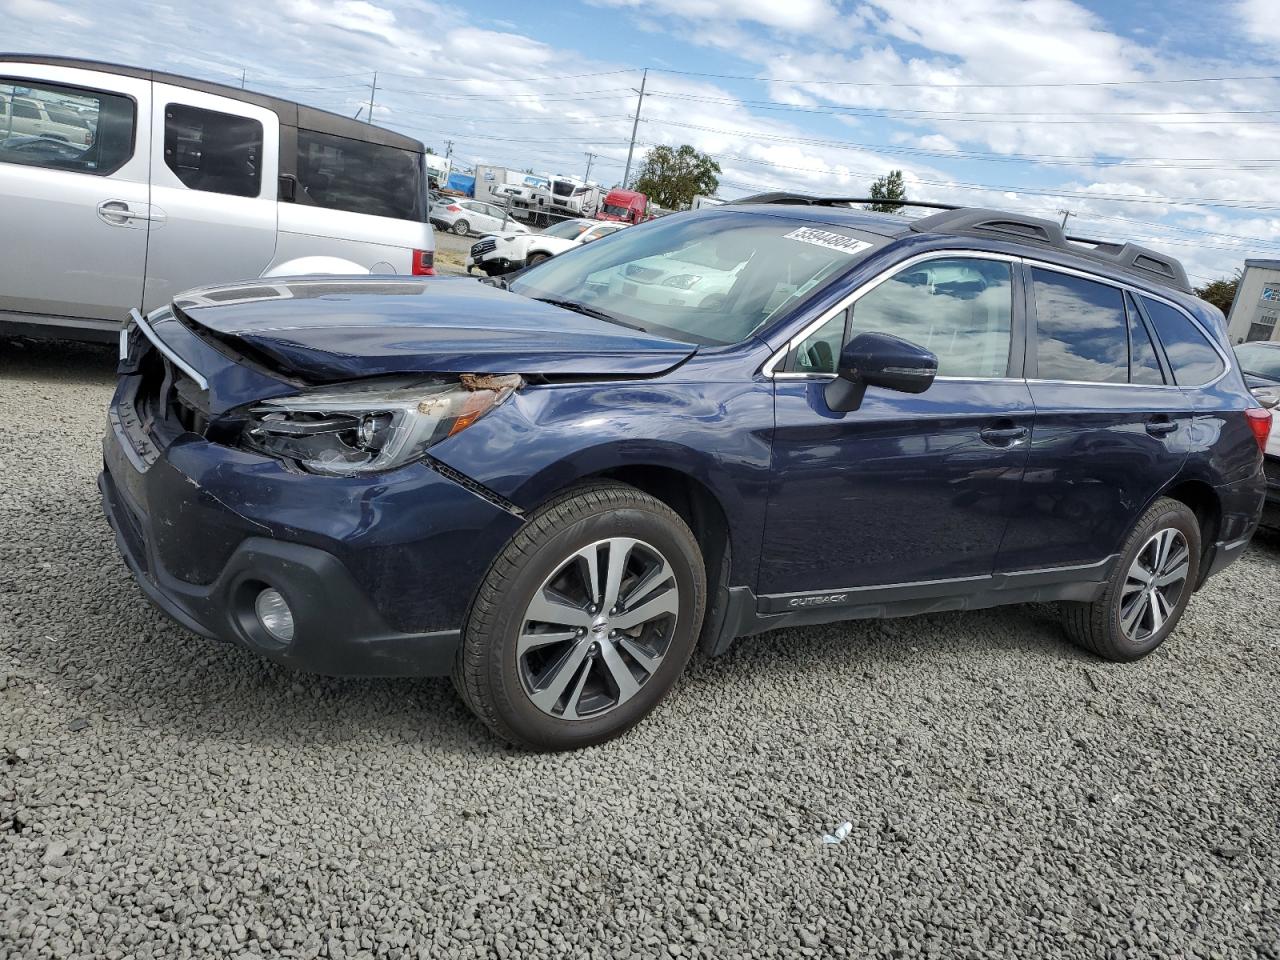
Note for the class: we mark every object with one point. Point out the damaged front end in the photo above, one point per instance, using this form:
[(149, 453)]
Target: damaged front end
[(372, 425)]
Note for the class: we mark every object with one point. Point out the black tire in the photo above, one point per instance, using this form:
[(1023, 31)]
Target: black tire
[(461, 228), (491, 679), (1097, 626), (535, 258)]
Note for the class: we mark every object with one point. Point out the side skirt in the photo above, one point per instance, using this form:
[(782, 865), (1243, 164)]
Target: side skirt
[(748, 614)]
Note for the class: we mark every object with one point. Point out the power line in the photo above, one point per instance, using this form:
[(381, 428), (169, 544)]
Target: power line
[(917, 84)]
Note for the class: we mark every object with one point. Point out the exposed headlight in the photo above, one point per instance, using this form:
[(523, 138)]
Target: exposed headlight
[(683, 280), (376, 425)]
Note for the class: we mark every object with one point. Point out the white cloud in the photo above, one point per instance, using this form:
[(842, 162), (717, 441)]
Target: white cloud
[(793, 15), (1260, 20), (41, 10)]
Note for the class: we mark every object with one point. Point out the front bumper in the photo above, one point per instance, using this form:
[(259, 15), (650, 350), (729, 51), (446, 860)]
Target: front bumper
[(378, 571)]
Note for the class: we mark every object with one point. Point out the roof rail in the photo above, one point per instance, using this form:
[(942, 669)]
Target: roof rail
[(1015, 226), (806, 200)]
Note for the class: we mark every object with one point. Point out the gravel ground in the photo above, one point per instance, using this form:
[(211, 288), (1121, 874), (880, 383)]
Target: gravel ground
[(164, 796)]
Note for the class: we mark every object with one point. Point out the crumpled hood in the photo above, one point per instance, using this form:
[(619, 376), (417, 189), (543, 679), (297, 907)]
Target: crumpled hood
[(343, 328)]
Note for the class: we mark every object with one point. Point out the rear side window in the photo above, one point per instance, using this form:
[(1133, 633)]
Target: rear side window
[(1144, 367), (85, 131), (1081, 329), (360, 177), (213, 151), (1192, 357)]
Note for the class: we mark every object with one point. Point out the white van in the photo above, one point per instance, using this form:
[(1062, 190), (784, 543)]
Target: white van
[(182, 183)]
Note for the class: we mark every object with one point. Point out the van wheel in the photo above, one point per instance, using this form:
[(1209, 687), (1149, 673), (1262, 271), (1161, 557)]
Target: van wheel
[(1148, 590), (461, 227), (535, 258), (584, 621)]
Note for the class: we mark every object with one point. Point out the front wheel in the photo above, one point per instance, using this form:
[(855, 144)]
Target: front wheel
[(536, 258), (461, 228), (1149, 588), (585, 621)]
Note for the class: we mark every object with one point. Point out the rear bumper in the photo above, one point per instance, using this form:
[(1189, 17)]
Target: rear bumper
[(1243, 505), (1271, 509)]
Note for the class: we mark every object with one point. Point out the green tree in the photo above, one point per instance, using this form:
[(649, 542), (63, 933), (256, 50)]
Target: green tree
[(1221, 293), (887, 189), (672, 178)]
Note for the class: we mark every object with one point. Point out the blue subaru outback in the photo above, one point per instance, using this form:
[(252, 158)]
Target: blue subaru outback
[(785, 411)]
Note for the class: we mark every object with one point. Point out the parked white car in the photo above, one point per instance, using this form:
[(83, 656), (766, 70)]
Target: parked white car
[(177, 183), (502, 253)]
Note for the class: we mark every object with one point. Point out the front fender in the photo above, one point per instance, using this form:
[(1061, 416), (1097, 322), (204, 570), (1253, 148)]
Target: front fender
[(547, 438)]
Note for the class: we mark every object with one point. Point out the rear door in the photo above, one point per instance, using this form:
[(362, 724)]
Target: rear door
[(1111, 428), (215, 165), (74, 217)]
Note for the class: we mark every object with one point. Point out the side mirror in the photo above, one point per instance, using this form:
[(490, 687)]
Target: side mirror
[(879, 360)]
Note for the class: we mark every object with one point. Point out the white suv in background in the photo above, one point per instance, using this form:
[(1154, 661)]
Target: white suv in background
[(503, 253), (176, 183)]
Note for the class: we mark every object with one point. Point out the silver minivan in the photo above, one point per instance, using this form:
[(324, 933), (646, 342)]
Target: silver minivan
[(180, 183)]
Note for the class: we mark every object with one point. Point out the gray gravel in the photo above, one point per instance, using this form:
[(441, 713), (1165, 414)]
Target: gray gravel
[(163, 796)]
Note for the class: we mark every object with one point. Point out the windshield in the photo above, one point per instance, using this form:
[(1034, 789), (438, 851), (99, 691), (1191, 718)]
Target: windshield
[(566, 229), (1261, 360), (701, 278), (615, 211), (562, 188)]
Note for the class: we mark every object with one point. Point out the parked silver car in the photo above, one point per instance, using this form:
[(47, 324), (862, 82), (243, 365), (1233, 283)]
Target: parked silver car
[(178, 183), (463, 216)]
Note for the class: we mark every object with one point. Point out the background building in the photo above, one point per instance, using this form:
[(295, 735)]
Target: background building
[(1257, 303)]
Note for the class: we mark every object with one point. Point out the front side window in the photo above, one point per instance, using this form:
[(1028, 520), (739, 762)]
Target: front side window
[(958, 308), (340, 173), (701, 278), (1081, 330), (1192, 357), (65, 128), (213, 151)]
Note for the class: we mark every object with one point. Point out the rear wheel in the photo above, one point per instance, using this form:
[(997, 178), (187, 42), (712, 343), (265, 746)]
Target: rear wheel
[(461, 227), (584, 621), (1148, 590)]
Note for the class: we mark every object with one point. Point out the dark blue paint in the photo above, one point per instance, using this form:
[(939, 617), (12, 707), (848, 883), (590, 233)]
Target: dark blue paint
[(904, 489)]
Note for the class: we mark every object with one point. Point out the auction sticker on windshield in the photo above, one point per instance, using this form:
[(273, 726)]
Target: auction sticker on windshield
[(824, 238)]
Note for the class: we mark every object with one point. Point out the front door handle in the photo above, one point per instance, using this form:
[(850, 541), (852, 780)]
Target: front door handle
[(1003, 436), (118, 214), (1161, 426)]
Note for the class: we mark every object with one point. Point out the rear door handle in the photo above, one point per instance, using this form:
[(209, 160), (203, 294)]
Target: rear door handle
[(1003, 436), (1161, 426)]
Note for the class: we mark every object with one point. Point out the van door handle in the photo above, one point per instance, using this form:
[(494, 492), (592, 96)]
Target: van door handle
[(118, 214), (1003, 436), (1161, 426)]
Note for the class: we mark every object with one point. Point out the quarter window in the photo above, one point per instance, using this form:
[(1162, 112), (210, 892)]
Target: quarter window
[(1144, 366), (1081, 330), (65, 128), (959, 308), (1192, 357), (213, 151)]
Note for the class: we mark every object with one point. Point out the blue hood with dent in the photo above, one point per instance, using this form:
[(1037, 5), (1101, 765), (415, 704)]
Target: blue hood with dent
[(343, 328)]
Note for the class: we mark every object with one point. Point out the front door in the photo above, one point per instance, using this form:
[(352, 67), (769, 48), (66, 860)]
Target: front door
[(74, 215), (214, 178), (906, 488)]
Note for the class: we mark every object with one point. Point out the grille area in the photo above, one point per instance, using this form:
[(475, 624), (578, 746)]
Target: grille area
[(482, 247)]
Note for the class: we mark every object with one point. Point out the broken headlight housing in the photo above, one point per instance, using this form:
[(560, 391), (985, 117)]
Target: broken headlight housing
[(370, 426)]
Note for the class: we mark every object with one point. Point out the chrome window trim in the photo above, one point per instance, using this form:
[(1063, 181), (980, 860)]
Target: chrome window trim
[(164, 348), (770, 365)]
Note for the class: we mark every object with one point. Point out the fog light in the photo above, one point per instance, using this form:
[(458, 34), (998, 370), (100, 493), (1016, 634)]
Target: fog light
[(274, 614)]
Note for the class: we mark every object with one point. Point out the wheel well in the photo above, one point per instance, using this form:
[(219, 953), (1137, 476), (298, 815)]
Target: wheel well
[(1203, 501)]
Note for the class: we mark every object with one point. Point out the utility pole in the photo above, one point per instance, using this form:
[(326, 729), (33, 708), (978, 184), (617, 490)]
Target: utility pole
[(244, 71), (448, 149), (372, 90), (1065, 215), (587, 176), (626, 176)]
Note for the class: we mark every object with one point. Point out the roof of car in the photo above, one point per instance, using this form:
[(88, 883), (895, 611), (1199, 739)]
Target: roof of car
[(291, 113)]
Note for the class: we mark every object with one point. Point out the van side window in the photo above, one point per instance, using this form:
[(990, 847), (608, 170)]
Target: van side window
[(1081, 330), (360, 177), (65, 128), (960, 308), (1144, 367), (1194, 361), (213, 151)]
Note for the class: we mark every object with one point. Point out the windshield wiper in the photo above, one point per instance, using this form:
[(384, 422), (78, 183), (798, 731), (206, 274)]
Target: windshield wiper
[(588, 311)]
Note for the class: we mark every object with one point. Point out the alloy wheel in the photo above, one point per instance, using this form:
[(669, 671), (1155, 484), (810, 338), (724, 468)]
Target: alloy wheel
[(597, 628), (1154, 584)]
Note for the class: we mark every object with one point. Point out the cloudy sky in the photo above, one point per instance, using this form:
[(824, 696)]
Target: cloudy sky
[(1153, 120)]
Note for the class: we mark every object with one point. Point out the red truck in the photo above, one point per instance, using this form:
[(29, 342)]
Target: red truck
[(625, 206)]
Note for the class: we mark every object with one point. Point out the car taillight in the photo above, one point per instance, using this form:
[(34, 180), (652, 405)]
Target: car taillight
[(453, 208), (1260, 424), (424, 263)]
